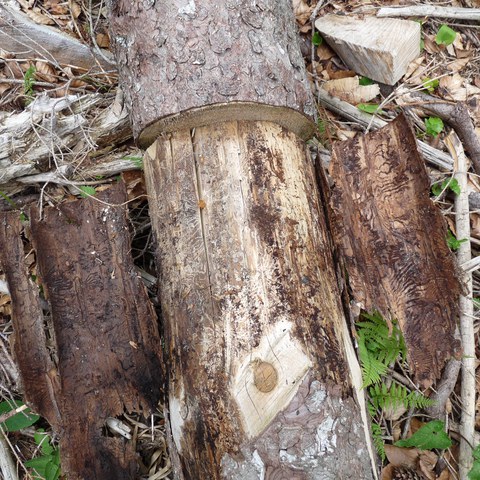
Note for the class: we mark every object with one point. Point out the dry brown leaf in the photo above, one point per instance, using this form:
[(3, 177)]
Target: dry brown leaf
[(426, 464), (45, 72), (416, 71), (458, 65), (397, 456), (103, 40), (301, 11), (454, 85), (38, 17), (324, 52), (349, 90), (475, 233), (56, 7), (431, 46), (75, 9)]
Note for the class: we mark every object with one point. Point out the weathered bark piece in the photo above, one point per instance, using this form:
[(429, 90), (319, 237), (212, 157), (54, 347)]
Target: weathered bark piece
[(393, 241), (215, 61), (19, 35), (106, 336), (30, 345), (254, 328), (379, 48)]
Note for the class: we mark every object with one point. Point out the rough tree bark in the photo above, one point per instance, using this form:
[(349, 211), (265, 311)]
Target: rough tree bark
[(258, 351)]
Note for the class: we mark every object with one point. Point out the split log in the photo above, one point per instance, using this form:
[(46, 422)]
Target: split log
[(379, 48), (258, 347), (436, 11), (397, 258), (105, 333)]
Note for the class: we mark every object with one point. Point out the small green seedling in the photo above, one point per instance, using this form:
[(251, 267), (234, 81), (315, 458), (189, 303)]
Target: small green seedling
[(87, 191), (364, 81), (431, 435), (448, 183), (430, 85), (445, 35), (317, 39), (47, 465), (370, 108), (434, 126), (137, 161), (29, 81), (474, 473), (18, 421), (452, 241)]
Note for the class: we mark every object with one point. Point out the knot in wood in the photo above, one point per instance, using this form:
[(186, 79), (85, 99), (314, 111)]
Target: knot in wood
[(265, 376)]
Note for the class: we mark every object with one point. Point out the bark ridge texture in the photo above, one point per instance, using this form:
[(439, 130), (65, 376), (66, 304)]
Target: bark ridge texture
[(207, 53)]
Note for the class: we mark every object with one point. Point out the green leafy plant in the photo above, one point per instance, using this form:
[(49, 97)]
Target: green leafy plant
[(452, 241), (378, 440), (386, 397), (87, 191), (434, 126), (18, 421), (137, 161), (47, 465), (378, 346), (474, 473), (431, 435), (370, 108), (317, 39), (29, 81), (448, 183), (364, 81), (430, 85), (445, 35)]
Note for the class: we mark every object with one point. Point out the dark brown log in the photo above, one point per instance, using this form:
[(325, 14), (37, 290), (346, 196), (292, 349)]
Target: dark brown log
[(106, 337), (259, 378), (394, 242), (38, 371), (186, 64)]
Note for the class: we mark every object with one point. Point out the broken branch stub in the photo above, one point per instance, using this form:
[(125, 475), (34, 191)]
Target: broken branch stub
[(393, 240)]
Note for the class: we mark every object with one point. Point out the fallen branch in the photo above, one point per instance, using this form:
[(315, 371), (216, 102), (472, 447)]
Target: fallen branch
[(431, 11), (7, 465), (462, 223), (344, 109), (455, 114), (19, 35)]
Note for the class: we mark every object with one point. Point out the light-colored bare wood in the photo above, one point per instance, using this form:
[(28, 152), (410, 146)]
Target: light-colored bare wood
[(467, 333), (431, 11), (21, 36), (254, 329), (380, 49)]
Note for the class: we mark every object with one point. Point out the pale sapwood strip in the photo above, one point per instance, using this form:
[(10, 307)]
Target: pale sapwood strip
[(464, 254)]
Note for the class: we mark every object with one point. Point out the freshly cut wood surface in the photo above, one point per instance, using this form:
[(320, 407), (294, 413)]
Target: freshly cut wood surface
[(255, 335), (393, 240), (379, 48), (106, 338)]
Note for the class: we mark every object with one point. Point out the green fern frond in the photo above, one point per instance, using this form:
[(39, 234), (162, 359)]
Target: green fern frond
[(372, 369), (378, 440), (384, 397)]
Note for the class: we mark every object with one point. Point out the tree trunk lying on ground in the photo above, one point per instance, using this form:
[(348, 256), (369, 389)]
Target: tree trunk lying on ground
[(255, 334)]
